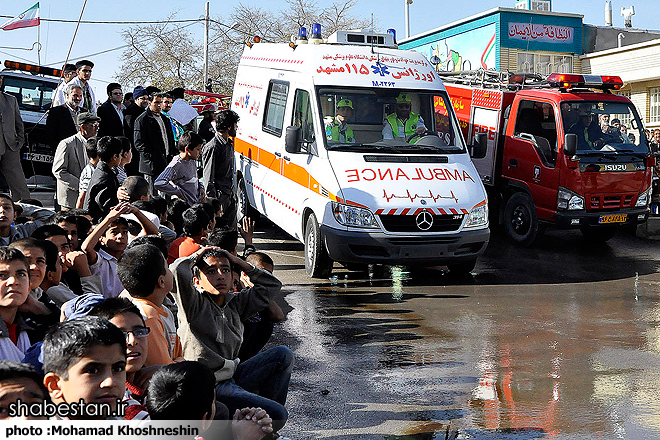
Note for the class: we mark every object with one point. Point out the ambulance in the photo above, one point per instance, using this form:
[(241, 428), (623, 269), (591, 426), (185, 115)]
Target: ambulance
[(321, 151)]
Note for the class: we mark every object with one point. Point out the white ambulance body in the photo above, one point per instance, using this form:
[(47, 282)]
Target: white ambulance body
[(361, 199)]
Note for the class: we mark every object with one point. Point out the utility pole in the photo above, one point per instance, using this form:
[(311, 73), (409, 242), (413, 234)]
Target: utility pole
[(206, 47), (408, 3)]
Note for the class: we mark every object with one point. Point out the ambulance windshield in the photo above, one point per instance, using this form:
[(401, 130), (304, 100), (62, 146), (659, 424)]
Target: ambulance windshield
[(604, 127), (396, 120)]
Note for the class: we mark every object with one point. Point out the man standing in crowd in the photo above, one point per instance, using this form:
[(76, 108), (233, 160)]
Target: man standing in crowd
[(84, 70), (12, 138), (110, 112), (153, 139), (177, 130), (68, 74), (71, 158), (206, 130), (131, 113), (218, 161), (61, 120)]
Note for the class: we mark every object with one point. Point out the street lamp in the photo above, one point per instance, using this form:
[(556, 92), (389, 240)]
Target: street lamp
[(408, 3)]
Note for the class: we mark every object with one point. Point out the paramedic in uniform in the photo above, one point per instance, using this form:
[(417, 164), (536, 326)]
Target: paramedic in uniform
[(338, 130), (403, 123)]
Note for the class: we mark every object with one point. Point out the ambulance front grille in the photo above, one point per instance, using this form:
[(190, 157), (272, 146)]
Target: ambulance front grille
[(408, 223)]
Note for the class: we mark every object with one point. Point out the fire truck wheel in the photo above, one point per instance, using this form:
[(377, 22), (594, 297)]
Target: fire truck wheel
[(520, 221), (317, 262), (598, 234)]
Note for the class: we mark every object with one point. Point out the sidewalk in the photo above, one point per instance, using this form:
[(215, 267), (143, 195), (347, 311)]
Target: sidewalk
[(650, 229)]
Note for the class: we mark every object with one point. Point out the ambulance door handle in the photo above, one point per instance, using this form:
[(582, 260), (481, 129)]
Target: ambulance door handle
[(278, 154), (287, 158), (513, 163)]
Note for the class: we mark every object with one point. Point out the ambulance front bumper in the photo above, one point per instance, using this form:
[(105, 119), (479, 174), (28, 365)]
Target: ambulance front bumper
[(426, 250)]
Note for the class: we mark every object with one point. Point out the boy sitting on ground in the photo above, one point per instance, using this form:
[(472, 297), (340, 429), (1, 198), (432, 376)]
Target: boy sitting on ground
[(144, 274), (19, 381), (85, 359), (14, 291), (123, 313), (112, 234), (195, 224), (179, 178), (259, 328), (202, 292), (10, 232), (185, 391), (77, 277)]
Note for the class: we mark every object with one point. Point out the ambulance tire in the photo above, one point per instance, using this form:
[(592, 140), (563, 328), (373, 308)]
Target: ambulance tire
[(317, 262), (520, 221), (243, 207)]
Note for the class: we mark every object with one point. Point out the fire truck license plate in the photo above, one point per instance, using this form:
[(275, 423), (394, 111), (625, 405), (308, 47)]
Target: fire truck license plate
[(613, 218), (38, 157)]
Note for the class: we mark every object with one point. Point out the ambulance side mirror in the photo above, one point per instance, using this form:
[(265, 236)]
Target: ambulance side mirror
[(479, 146), (570, 144), (292, 139)]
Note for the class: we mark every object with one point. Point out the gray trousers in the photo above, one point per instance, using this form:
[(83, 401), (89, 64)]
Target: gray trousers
[(11, 169)]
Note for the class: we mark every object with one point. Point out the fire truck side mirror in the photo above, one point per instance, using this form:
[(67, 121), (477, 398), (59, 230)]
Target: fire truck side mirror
[(479, 146), (292, 139), (570, 144)]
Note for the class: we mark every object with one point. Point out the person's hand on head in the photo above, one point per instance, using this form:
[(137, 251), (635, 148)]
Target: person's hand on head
[(122, 194)]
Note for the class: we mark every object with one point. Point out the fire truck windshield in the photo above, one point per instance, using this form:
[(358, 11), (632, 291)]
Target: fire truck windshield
[(32, 94), (396, 120), (604, 126)]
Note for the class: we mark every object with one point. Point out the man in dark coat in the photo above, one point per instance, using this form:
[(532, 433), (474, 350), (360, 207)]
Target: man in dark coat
[(102, 190), (61, 120), (153, 139), (131, 113), (110, 112)]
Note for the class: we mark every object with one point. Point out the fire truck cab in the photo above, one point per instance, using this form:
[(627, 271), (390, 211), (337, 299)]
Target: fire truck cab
[(561, 151)]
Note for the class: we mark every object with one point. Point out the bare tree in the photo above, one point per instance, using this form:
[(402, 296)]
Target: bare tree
[(161, 54), (168, 56)]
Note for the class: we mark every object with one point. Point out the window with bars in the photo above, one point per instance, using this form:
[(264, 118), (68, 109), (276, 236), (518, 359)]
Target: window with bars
[(544, 63), (654, 104), (626, 117)]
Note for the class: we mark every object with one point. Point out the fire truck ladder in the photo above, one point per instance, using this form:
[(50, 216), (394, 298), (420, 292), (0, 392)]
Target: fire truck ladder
[(493, 79)]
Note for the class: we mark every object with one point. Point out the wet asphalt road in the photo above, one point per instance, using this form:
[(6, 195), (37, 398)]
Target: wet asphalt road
[(558, 341)]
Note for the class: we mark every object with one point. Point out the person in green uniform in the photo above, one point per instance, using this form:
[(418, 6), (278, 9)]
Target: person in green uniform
[(403, 122), (338, 129)]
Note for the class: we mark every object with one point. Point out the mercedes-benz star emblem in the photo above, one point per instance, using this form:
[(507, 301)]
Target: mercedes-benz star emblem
[(424, 220)]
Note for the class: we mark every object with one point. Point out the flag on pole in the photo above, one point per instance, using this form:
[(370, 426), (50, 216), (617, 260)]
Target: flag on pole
[(28, 18)]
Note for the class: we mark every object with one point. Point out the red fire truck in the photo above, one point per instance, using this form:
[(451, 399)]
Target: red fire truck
[(562, 151)]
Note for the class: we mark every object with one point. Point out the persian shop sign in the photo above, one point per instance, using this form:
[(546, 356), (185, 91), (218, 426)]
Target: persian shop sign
[(541, 32)]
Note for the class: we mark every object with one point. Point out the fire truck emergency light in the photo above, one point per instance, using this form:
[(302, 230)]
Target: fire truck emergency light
[(32, 68), (569, 80)]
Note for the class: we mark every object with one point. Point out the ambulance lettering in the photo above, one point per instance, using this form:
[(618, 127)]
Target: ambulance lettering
[(370, 174)]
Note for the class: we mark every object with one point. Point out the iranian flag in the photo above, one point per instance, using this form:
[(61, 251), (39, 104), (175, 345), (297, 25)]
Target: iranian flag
[(28, 18)]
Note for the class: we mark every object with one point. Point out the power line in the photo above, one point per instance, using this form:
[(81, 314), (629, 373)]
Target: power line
[(58, 20)]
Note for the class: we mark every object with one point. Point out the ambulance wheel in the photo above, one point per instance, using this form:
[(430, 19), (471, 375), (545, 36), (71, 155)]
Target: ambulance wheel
[(598, 234), (317, 262), (244, 209), (520, 221)]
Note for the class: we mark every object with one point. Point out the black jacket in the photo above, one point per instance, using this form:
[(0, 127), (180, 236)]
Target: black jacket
[(110, 124), (59, 125), (148, 140), (102, 192)]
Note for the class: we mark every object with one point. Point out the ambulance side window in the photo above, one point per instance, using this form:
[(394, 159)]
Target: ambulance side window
[(303, 118), (275, 107)]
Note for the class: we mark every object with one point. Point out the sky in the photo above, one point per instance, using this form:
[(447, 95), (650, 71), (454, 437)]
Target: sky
[(93, 38)]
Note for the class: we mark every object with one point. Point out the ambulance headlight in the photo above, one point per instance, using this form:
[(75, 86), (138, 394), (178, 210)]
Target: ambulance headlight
[(568, 200), (353, 216), (643, 199), (478, 217)]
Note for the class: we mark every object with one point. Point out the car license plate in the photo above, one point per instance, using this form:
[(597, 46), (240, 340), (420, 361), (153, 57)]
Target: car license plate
[(38, 157), (613, 218)]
